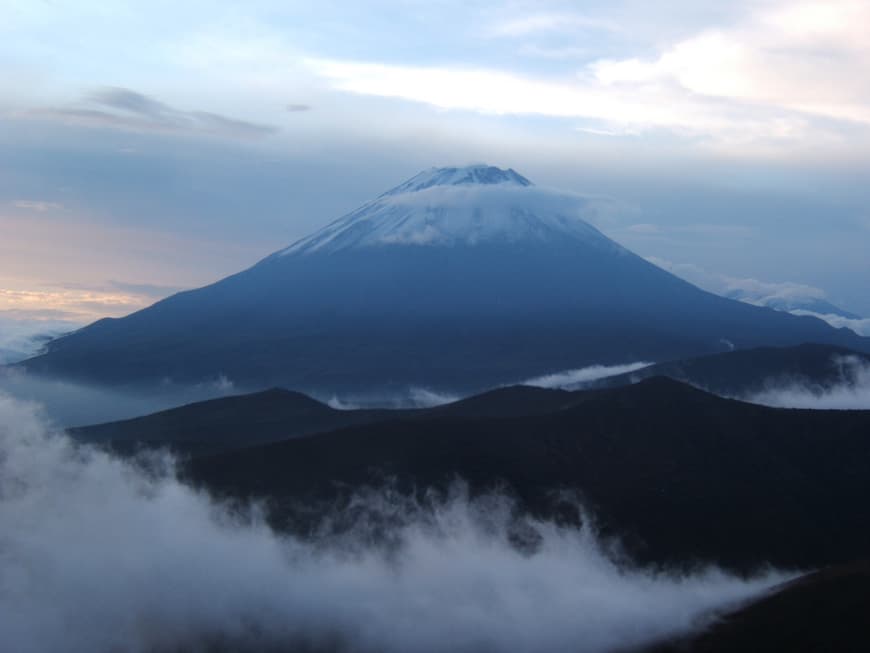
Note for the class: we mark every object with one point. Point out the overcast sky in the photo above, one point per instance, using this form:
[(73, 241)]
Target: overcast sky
[(152, 146)]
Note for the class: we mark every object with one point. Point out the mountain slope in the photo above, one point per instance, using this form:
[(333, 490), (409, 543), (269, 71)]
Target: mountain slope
[(677, 473), (459, 279), (823, 611)]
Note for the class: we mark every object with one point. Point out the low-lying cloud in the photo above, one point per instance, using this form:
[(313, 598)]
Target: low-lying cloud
[(101, 555), (70, 403), (412, 397), (22, 338), (851, 392), (573, 379), (787, 296), (861, 326)]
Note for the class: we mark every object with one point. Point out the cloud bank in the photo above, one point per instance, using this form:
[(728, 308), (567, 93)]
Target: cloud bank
[(101, 555), (69, 403), (23, 338), (755, 84), (851, 393)]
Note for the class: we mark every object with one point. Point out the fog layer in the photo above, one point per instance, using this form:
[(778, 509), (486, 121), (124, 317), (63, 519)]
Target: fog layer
[(97, 554)]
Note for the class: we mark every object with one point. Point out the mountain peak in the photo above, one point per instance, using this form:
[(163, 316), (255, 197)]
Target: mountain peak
[(478, 174), (470, 205)]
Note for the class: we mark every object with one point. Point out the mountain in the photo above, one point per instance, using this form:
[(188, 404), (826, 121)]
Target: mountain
[(823, 611), (229, 423), (677, 474), (459, 279), (744, 373)]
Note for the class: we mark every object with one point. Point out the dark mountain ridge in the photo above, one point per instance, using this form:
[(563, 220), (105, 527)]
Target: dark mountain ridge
[(677, 474)]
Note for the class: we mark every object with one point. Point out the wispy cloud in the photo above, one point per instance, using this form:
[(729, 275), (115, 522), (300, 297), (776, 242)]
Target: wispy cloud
[(796, 298), (572, 379), (81, 304), (22, 337), (852, 392), (127, 109), (536, 23), (861, 326), (40, 206)]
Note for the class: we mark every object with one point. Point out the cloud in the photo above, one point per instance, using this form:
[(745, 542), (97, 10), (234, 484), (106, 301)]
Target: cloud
[(82, 304), (156, 291), (801, 57), (297, 108), (105, 555), (536, 23), (852, 392), (796, 298), (71, 403), (23, 338), (127, 109), (413, 397), (427, 398), (861, 326), (781, 75), (39, 206), (497, 92), (573, 379)]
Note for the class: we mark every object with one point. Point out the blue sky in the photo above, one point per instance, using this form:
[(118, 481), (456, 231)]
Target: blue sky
[(146, 147)]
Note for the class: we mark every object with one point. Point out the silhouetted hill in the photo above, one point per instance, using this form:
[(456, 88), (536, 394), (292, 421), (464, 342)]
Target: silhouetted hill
[(825, 611), (677, 473), (246, 420)]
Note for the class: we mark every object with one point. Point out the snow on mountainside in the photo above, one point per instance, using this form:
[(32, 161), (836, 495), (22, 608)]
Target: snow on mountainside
[(449, 206)]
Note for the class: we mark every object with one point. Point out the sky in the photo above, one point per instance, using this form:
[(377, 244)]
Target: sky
[(150, 147)]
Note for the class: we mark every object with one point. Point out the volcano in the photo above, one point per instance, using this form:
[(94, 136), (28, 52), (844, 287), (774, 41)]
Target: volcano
[(459, 279)]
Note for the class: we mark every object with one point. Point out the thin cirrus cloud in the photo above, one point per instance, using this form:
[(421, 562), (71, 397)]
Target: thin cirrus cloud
[(547, 22), (40, 206), (127, 109)]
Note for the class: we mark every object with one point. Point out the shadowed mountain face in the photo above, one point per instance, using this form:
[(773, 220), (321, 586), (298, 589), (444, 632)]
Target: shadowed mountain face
[(677, 474), (459, 279)]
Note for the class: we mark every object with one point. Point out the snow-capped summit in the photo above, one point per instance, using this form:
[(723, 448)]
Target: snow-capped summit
[(474, 174), (473, 205)]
